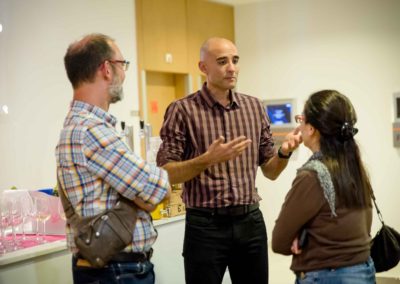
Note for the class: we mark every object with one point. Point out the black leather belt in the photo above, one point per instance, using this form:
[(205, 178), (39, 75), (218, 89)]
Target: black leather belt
[(132, 256), (225, 211), (123, 257)]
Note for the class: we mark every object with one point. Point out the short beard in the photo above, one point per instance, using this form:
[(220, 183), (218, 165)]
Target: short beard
[(116, 92)]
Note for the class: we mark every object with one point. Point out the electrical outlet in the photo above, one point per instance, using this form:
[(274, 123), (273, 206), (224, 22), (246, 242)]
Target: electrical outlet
[(168, 58)]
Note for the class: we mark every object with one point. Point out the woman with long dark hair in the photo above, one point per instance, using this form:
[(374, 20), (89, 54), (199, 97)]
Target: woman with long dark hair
[(325, 221)]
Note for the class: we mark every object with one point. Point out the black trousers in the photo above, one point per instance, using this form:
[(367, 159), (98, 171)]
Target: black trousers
[(212, 243)]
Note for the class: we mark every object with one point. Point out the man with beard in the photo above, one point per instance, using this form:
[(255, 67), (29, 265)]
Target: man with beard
[(94, 165)]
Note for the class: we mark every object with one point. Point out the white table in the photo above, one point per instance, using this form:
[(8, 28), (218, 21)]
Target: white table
[(50, 263)]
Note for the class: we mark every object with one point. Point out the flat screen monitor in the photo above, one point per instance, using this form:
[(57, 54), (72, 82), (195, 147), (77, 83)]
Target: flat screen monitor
[(280, 112)]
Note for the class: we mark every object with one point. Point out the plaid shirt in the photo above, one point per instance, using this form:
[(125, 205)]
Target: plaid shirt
[(191, 124), (94, 165)]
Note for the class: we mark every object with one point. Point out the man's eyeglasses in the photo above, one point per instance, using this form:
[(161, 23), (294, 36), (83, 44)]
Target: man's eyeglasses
[(124, 63), (299, 118)]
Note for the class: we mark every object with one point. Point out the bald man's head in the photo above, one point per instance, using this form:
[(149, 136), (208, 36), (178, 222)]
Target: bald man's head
[(219, 62), (214, 43)]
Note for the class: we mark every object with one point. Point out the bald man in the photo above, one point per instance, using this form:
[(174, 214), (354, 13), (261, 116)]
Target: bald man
[(213, 141)]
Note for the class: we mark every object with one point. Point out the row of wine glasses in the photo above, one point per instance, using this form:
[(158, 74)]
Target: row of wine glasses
[(16, 212)]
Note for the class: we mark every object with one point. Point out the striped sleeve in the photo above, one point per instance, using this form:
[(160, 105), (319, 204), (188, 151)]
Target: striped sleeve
[(173, 136)]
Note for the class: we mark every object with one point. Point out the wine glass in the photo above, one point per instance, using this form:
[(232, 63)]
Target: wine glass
[(27, 211), (61, 211), (4, 222), (43, 214), (15, 209)]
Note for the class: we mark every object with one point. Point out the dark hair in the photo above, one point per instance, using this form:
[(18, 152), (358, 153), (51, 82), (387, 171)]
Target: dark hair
[(333, 115), (84, 57)]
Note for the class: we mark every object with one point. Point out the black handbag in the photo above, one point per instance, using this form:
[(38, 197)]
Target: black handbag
[(101, 236), (385, 246)]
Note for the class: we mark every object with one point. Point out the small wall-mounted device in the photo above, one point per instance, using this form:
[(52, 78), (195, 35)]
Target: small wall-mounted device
[(396, 123), (168, 58), (281, 114)]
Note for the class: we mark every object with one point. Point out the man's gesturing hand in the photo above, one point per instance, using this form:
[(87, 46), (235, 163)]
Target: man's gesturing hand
[(220, 152)]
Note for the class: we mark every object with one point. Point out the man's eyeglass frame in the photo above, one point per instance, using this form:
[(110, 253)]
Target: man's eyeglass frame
[(124, 63)]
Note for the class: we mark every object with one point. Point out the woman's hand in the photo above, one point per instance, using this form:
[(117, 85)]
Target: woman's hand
[(295, 246)]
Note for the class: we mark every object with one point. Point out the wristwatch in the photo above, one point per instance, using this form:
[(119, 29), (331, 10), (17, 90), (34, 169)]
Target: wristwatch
[(283, 156)]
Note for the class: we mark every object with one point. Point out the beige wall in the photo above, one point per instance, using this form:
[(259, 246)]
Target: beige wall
[(287, 48), (291, 48), (34, 84)]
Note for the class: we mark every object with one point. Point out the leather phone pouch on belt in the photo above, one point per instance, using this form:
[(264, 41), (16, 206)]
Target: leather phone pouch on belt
[(100, 237)]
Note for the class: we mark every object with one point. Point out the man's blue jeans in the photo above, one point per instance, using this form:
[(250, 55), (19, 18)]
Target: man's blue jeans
[(115, 273), (363, 273)]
